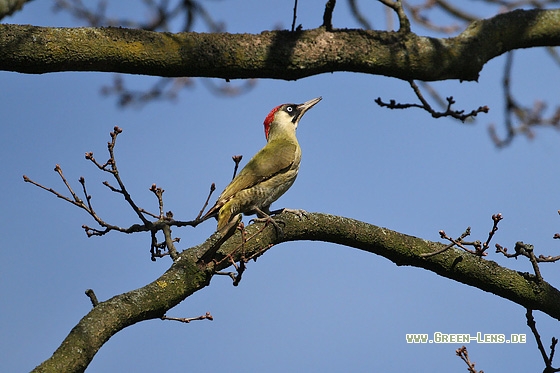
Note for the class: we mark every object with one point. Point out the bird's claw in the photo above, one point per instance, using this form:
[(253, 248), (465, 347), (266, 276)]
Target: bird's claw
[(268, 220), (298, 212)]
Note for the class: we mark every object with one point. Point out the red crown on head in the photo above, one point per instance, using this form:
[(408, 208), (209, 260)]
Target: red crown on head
[(268, 120)]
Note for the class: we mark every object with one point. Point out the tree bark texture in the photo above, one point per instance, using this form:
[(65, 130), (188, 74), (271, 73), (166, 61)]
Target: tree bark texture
[(275, 54), (185, 277)]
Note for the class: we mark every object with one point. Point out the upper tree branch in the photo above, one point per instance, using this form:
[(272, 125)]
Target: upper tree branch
[(186, 277), (276, 54)]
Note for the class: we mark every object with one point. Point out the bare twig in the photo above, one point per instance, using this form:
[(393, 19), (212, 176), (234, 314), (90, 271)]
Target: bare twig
[(170, 242), (92, 297), (294, 16), (456, 12), (151, 214), (359, 16), (212, 189), (457, 114), (534, 261), (187, 320), (524, 250), (554, 54), (496, 219), (440, 101), (460, 243), (509, 105), (546, 358), (157, 249), (76, 201), (397, 6), (240, 269), (453, 242), (416, 11), (327, 16), (236, 277), (479, 247), (527, 251), (159, 194), (236, 159), (527, 118), (163, 221), (550, 259), (163, 15), (464, 355), (226, 88)]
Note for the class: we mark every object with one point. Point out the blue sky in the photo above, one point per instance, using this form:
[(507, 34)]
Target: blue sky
[(304, 306)]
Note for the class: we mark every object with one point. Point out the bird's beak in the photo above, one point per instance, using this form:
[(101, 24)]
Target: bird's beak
[(302, 108)]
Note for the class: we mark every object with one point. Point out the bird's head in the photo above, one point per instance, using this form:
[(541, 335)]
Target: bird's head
[(286, 116)]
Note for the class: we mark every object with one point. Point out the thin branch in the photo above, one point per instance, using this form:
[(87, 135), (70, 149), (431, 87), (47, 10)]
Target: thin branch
[(240, 269), (509, 105), (236, 159), (159, 194), (162, 222), (359, 16), (456, 12), (170, 243), (212, 189), (92, 297), (76, 201), (534, 261), (327, 16), (553, 52), (416, 12), (440, 101), (442, 234), (527, 251), (464, 355), (547, 359), (294, 16), (527, 118), (187, 320), (457, 114), (114, 170), (496, 218), (479, 247), (397, 6), (162, 16), (460, 243)]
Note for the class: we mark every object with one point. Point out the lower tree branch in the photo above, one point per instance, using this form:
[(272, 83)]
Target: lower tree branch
[(185, 277)]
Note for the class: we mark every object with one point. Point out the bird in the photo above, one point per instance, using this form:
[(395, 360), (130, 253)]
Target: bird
[(269, 174)]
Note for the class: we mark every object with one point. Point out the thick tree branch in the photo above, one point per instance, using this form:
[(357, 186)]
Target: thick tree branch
[(278, 54), (186, 277)]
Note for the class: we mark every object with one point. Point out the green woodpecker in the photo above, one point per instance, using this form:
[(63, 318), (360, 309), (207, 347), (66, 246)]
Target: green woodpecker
[(270, 173)]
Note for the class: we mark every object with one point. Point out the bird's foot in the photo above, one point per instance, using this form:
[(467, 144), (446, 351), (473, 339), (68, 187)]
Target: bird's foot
[(269, 220), (298, 212)]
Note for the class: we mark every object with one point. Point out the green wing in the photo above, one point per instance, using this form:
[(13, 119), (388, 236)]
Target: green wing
[(275, 157)]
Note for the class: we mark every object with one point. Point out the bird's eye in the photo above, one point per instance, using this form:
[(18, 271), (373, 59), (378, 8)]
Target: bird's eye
[(289, 109)]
